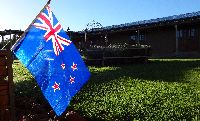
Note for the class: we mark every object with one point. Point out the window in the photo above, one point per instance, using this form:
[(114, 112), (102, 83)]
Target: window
[(186, 34), (134, 37), (141, 37), (192, 32), (180, 33)]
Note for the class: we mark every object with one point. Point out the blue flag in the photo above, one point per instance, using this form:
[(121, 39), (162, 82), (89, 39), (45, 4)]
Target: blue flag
[(47, 52)]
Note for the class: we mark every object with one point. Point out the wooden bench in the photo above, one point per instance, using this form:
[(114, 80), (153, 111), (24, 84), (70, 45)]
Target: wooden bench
[(7, 112)]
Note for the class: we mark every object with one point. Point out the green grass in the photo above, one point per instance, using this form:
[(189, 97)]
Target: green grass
[(162, 89)]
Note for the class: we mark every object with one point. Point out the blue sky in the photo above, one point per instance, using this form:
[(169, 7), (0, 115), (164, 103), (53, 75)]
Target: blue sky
[(75, 14)]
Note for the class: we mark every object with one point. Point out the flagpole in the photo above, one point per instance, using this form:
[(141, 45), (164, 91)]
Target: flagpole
[(19, 40), (49, 2)]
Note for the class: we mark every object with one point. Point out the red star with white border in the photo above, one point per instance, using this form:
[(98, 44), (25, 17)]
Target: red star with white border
[(72, 79), (74, 66), (56, 86), (63, 66)]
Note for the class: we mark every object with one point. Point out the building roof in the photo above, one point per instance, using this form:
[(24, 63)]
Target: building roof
[(146, 23)]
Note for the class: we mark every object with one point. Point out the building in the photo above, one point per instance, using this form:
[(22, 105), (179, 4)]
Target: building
[(176, 35)]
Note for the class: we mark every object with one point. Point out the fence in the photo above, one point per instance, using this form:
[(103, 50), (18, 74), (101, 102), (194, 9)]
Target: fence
[(7, 112)]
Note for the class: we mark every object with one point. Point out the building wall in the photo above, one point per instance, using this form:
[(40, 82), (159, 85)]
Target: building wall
[(188, 37), (118, 37), (162, 40), (198, 36)]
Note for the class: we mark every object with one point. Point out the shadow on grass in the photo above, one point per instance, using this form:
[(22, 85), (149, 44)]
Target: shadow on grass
[(154, 70), (29, 102)]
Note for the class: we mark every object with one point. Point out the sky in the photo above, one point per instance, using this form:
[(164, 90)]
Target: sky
[(76, 14)]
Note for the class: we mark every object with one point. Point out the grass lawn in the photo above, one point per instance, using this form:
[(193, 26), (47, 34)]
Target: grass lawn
[(162, 89)]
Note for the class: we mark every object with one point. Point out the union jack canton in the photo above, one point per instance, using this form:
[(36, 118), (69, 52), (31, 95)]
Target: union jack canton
[(46, 50)]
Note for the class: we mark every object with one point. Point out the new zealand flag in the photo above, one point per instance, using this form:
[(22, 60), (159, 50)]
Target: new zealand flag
[(46, 50)]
